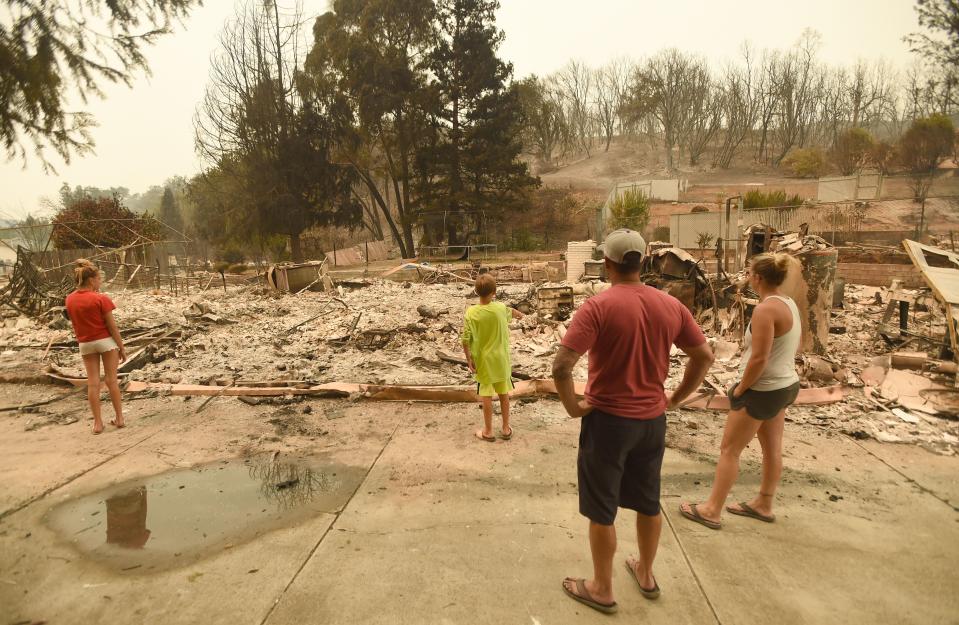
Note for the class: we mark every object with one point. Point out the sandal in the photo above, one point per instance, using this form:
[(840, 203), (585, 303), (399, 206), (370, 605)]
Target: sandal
[(479, 434), (649, 593), (582, 595), (694, 515), (506, 436), (746, 510)]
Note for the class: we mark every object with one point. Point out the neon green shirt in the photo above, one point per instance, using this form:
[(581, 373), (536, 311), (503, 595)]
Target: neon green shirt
[(486, 332)]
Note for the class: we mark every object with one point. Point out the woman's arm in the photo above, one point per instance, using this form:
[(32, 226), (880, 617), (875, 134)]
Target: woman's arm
[(115, 333), (763, 330)]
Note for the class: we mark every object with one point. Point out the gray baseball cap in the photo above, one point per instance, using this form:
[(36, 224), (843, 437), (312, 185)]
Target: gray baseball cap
[(620, 242)]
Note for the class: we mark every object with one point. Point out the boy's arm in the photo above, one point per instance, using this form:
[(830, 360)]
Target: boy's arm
[(469, 357), (465, 340), (516, 314)]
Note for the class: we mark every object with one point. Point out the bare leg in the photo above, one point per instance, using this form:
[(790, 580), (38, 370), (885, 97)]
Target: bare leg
[(91, 362), (487, 430), (504, 409), (740, 429), (602, 544), (770, 437), (110, 361), (648, 529)]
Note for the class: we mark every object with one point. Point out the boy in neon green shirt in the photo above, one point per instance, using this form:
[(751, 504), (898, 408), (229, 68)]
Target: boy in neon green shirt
[(486, 345)]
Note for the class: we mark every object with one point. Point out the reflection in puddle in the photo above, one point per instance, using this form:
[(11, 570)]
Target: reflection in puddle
[(289, 485), (195, 512), (127, 518)]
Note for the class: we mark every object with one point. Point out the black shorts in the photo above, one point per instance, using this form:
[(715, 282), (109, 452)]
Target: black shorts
[(619, 464), (763, 405)]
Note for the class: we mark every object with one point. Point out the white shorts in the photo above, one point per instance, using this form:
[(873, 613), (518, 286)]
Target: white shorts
[(98, 347)]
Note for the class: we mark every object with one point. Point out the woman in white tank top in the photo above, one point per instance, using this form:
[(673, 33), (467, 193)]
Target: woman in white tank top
[(768, 383)]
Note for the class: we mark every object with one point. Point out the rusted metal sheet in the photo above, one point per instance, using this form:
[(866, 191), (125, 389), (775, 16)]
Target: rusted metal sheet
[(294, 277), (940, 270)]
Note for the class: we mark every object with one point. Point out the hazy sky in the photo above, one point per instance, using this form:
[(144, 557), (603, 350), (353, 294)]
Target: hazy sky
[(145, 133)]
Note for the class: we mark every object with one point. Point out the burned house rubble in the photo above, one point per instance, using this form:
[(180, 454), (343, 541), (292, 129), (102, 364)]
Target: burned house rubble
[(876, 362)]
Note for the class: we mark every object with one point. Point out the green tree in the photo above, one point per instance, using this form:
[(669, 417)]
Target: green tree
[(941, 17), (52, 48), (882, 155), (852, 150), (146, 201), (805, 162), (704, 240), (630, 209), (35, 233), (545, 124), (213, 194), (770, 199), (369, 57), (472, 165), (271, 148), (170, 213), (78, 192), (921, 149)]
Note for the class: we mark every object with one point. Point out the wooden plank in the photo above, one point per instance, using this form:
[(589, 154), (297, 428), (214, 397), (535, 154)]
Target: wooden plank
[(387, 392), (384, 392), (807, 397)]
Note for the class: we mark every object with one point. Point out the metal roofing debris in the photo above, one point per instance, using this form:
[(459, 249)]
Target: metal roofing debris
[(940, 269)]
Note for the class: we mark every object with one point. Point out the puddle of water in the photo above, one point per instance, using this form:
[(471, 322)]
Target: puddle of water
[(175, 518)]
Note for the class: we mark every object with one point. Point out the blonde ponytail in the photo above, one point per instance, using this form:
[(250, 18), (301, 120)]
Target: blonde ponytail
[(84, 270), (772, 267)]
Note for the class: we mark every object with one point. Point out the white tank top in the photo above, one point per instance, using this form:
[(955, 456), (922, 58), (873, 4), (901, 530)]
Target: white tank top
[(780, 370)]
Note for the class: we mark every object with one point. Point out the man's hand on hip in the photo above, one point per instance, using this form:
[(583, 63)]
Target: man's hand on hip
[(582, 409)]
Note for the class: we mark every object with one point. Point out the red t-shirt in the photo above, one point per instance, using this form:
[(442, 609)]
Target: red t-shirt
[(628, 331), (87, 310)]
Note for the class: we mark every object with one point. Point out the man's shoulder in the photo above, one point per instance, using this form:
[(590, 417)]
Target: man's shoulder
[(645, 292), (649, 297), (662, 297)]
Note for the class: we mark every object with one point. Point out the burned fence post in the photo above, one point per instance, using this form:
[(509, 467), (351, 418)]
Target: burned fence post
[(818, 274)]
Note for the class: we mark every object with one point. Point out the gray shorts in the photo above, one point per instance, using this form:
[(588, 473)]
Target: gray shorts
[(763, 405)]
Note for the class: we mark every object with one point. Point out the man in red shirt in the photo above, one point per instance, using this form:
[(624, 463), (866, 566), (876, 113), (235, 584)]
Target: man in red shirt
[(628, 331)]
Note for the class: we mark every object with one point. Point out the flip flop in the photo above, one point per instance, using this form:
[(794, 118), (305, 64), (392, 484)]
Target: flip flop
[(698, 518), (746, 510), (113, 422), (582, 595), (506, 437), (479, 434), (649, 593)]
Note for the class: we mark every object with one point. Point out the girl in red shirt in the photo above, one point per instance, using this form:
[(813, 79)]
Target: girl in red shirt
[(91, 314)]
